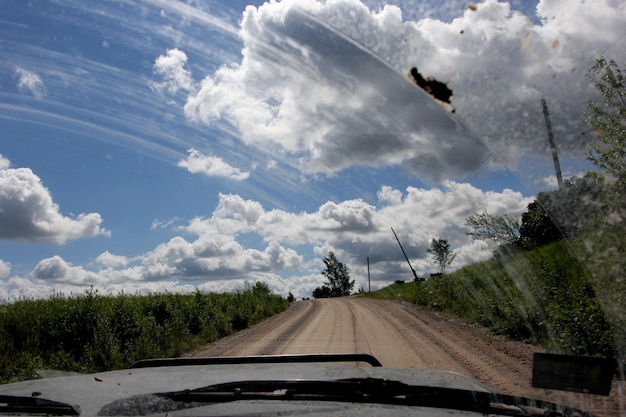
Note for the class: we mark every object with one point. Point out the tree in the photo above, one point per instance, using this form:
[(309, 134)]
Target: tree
[(338, 277), (441, 253), (608, 120), (537, 227), (321, 292), (494, 229), (291, 298)]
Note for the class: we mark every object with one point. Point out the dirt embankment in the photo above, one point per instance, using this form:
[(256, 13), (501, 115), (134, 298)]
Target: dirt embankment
[(403, 335)]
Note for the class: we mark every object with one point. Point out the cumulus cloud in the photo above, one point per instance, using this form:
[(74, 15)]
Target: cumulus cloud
[(353, 215), (211, 166), (219, 254), (30, 82), (212, 257), (5, 268), (418, 215), (28, 213), (170, 68), (4, 162), (325, 83), (108, 259), (283, 96), (17, 288), (56, 269), (357, 229)]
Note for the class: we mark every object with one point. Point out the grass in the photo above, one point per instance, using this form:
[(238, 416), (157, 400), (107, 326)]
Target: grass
[(396, 291), (91, 332), (547, 296)]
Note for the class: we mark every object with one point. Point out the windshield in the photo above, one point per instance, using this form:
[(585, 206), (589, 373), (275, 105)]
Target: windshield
[(172, 147)]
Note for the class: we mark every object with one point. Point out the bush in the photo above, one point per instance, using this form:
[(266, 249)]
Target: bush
[(544, 296), (91, 332)]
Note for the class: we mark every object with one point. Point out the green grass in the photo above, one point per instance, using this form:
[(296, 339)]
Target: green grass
[(400, 292), (92, 332), (546, 296)]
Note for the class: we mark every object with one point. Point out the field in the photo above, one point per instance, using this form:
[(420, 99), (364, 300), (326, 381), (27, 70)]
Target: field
[(92, 332)]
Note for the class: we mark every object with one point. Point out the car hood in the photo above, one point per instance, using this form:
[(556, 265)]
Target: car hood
[(92, 392)]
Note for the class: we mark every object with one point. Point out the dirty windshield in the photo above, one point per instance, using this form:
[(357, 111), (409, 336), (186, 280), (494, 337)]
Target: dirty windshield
[(468, 154)]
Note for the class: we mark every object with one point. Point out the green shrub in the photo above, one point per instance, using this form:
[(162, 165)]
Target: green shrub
[(91, 332), (545, 296)]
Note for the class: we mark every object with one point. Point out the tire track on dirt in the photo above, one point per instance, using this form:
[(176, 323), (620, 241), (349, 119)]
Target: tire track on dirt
[(388, 341), (263, 338), (488, 366), (330, 331)]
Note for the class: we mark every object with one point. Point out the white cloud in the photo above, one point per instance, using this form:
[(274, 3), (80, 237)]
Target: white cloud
[(5, 268), (17, 288), (4, 162), (353, 215), (30, 81), (388, 195), (108, 259), (221, 255), (214, 256), (283, 99), (160, 224), (306, 92), (171, 69), (357, 229), (28, 213), (211, 166), (56, 269)]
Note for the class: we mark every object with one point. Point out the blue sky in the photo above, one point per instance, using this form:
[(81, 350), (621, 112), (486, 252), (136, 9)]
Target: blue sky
[(168, 146)]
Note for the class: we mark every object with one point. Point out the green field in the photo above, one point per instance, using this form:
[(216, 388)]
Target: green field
[(92, 332)]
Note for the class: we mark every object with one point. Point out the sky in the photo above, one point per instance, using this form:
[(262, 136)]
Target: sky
[(151, 145)]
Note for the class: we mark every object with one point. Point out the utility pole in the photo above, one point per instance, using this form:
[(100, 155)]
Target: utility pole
[(555, 156), (406, 257), (369, 284)]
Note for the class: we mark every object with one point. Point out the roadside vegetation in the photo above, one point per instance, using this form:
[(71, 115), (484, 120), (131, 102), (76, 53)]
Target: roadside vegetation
[(92, 332), (545, 296)]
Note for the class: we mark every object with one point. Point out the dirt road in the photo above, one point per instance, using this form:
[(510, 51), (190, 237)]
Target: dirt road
[(402, 335)]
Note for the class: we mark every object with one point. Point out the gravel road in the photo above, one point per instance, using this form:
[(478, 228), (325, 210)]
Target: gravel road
[(403, 335)]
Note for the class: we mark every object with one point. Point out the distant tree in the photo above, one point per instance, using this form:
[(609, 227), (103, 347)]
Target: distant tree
[(291, 298), (338, 277), (494, 229), (321, 292), (441, 253), (537, 228), (607, 149)]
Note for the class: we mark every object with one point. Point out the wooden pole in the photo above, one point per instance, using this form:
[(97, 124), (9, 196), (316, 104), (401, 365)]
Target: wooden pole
[(369, 284), (406, 257), (555, 156)]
